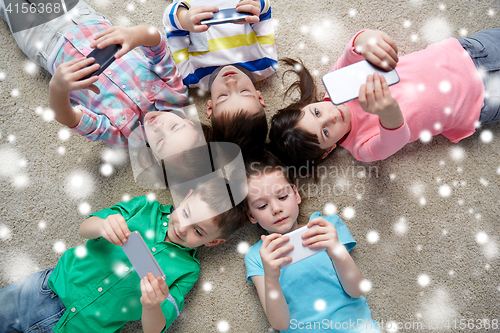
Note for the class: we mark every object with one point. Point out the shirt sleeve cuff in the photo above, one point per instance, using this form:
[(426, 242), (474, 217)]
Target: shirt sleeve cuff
[(87, 123), (353, 49), (392, 129)]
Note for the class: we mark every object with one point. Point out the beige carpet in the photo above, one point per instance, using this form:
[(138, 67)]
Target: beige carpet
[(426, 219)]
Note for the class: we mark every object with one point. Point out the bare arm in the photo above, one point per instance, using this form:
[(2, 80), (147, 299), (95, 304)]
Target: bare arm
[(114, 228), (154, 292)]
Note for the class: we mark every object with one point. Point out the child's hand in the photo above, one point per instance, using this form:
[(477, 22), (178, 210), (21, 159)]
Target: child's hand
[(375, 98), (128, 38), (269, 253), (154, 291), (378, 48), (324, 235), (190, 19), (249, 6), (115, 229), (66, 76)]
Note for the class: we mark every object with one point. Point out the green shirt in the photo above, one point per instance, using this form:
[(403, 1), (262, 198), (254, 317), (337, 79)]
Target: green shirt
[(98, 284)]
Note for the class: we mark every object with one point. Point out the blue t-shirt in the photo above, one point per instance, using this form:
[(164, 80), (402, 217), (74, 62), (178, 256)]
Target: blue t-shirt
[(315, 297)]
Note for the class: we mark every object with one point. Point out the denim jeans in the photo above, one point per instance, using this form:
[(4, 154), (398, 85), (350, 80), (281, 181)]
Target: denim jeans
[(38, 42), (30, 305), (484, 49)]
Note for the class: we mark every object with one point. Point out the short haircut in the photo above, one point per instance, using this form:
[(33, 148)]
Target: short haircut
[(231, 218), (248, 131)]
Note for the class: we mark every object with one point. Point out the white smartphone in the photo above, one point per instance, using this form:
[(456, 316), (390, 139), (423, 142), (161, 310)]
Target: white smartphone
[(299, 252), (228, 15), (343, 84), (140, 256)]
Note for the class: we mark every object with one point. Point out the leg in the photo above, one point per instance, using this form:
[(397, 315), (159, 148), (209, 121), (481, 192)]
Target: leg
[(484, 49), (30, 303), (39, 41)]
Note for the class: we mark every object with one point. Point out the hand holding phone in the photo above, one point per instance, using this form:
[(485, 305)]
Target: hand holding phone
[(299, 251), (104, 57), (140, 256), (228, 15), (343, 84)]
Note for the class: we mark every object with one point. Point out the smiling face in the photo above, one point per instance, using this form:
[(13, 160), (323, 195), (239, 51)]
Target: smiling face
[(169, 134), (189, 227), (329, 122), (232, 90), (272, 202)]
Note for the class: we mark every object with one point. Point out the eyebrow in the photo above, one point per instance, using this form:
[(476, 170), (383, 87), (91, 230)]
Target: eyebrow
[(219, 103)]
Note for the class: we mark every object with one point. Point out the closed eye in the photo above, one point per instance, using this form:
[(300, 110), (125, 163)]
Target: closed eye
[(159, 143), (262, 207), (221, 95), (283, 197)]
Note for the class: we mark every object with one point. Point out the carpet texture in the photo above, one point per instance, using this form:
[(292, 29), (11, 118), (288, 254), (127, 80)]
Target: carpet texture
[(425, 219)]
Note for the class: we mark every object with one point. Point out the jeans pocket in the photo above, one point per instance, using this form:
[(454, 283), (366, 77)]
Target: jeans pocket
[(474, 47), (46, 325), (44, 285)]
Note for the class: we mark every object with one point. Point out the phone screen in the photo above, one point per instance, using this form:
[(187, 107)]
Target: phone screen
[(140, 256), (104, 57), (343, 84)]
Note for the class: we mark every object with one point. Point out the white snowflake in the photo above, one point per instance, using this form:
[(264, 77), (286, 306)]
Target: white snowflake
[(320, 305), (64, 134), (2, 76), (352, 12), (391, 326), (274, 294), (79, 185), (401, 227), (30, 67), (406, 24), (20, 181), (445, 191), (437, 29), (348, 213), (208, 286), (457, 153), (48, 115), (372, 237), (481, 238), (81, 252), (42, 225), (130, 7), (331, 209), (59, 247), (126, 197), (392, 176), (223, 326), (84, 208), (425, 136), (486, 136), (445, 86), (14, 92), (5, 233), (365, 285), (107, 169), (243, 247), (424, 280), (61, 150), (151, 196), (423, 201), (463, 32)]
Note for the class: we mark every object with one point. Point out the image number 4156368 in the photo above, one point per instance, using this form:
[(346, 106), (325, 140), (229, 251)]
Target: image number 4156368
[(27, 14)]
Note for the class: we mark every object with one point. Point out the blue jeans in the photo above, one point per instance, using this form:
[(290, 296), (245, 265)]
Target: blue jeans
[(30, 305), (484, 49), (38, 42)]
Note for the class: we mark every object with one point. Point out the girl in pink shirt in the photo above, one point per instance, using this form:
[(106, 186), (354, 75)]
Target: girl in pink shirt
[(440, 91)]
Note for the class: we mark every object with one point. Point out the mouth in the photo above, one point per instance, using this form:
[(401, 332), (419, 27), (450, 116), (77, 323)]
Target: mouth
[(229, 73), (342, 114), (151, 120), (176, 234), (280, 221)]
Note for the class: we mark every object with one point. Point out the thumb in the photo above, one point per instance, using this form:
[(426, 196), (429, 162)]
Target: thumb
[(94, 89)]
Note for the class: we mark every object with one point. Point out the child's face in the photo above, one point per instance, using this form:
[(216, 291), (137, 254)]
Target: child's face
[(233, 90), (273, 203), (329, 122), (189, 227), (169, 134)]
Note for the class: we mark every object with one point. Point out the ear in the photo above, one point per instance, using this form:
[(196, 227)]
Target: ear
[(297, 195), (251, 218), (328, 151), (209, 108), (261, 99), (215, 242)]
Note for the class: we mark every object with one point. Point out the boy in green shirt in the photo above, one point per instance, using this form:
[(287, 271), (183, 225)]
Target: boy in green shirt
[(94, 288)]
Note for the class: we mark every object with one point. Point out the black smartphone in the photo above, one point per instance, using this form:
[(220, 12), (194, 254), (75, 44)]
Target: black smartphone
[(103, 57), (229, 15)]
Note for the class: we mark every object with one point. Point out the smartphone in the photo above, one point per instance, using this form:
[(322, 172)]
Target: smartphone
[(103, 57), (228, 15), (343, 84), (299, 252), (141, 258)]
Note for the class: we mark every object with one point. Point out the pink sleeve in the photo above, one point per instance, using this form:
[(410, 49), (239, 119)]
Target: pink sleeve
[(349, 57), (382, 145)]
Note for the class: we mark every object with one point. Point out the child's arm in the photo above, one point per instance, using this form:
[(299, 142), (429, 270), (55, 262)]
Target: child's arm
[(268, 286), (190, 18), (114, 228), (325, 235), (154, 292)]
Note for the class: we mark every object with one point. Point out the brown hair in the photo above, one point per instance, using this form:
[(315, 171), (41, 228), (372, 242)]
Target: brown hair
[(248, 131), (231, 218), (295, 146)]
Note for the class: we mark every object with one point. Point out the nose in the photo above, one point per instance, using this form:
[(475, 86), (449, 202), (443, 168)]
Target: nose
[(276, 207), (331, 117), (182, 229)]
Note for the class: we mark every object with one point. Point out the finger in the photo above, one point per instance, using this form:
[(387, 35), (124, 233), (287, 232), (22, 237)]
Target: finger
[(101, 34), (201, 28), (149, 288), (369, 90), (375, 60), (202, 16), (118, 230), (269, 238), (377, 87), (283, 260), (123, 225), (281, 251), (386, 55), (385, 87), (92, 87), (248, 8), (125, 49), (315, 239), (392, 44), (212, 9), (163, 286), (84, 62), (274, 243), (317, 221), (251, 19), (109, 40), (72, 62), (362, 97), (112, 236)]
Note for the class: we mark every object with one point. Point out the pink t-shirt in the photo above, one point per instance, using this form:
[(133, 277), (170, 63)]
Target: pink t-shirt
[(440, 91)]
